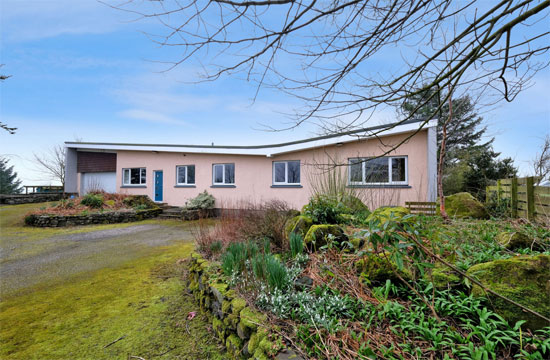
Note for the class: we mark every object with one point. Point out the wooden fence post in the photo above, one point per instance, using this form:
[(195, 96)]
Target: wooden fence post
[(514, 195), (530, 198), (498, 191)]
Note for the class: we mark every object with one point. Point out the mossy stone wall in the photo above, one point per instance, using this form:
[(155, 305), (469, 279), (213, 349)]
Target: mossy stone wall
[(243, 330), (112, 217)]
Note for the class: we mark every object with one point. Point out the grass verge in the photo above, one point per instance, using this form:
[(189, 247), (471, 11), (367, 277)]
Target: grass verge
[(143, 302)]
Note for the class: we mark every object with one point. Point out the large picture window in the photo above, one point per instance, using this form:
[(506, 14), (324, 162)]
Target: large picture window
[(286, 172), (185, 175), (223, 174), (133, 176), (386, 170)]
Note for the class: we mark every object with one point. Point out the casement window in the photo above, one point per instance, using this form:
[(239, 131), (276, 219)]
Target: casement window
[(223, 174), (388, 170), (286, 172), (133, 176), (185, 175)]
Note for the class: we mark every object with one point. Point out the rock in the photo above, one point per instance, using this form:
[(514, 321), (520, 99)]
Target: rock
[(237, 304), (443, 277), (251, 318), (298, 225), (383, 214), (319, 235), (218, 290), (243, 332), (524, 279), (288, 354), (234, 345), (514, 240), (303, 283), (464, 205), (354, 204), (377, 268)]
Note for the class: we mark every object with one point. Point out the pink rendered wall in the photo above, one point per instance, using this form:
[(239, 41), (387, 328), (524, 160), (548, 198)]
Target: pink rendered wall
[(253, 174)]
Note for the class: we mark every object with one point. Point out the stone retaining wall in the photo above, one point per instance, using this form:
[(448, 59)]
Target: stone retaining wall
[(95, 218), (244, 331), (30, 198)]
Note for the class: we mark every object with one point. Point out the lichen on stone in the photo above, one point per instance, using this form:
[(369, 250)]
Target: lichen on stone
[(524, 279), (464, 205), (298, 225), (251, 318), (320, 235)]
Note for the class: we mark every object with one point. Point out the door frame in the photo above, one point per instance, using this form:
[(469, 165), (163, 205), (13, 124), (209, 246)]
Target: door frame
[(155, 186)]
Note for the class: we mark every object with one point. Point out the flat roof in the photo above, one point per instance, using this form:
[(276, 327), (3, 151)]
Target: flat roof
[(268, 149)]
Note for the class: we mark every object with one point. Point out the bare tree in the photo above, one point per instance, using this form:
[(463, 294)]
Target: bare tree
[(3, 126), (325, 53), (52, 163), (541, 162)]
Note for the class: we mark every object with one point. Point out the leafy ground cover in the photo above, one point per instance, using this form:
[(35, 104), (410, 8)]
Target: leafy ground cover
[(95, 202), (135, 306), (384, 291)]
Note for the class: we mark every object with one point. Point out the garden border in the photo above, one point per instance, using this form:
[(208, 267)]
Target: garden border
[(111, 217)]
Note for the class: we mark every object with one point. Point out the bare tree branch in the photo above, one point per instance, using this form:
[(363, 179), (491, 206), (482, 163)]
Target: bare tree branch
[(52, 163)]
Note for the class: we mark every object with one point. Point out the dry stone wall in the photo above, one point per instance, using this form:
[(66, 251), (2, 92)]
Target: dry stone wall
[(95, 218), (244, 331)]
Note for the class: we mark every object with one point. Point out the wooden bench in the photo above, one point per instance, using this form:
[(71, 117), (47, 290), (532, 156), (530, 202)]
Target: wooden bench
[(422, 207)]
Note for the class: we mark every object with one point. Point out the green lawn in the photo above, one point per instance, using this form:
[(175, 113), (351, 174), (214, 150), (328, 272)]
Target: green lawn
[(142, 300)]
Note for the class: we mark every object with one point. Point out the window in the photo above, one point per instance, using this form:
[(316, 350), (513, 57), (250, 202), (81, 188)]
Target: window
[(133, 176), (378, 171), (286, 172), (223, 174), (185, 175)]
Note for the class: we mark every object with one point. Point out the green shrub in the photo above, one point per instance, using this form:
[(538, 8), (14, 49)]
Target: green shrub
[(136, 200), (203, 201), (141, 207), (92, 200), (498, 208), (296, 244), (324, 209)]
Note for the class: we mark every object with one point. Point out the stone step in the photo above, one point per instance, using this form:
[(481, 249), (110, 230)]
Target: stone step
[(169, 216)]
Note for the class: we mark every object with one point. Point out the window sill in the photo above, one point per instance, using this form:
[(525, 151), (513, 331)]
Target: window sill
[(388, 186), (287, 186), (185, 186), (223, 186), (133, 187)]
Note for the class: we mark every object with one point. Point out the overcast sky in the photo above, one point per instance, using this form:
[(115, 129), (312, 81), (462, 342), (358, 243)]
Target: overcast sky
[(85, 72)]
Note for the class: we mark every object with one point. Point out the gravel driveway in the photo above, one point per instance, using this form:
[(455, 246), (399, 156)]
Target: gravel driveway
[(26, 261)]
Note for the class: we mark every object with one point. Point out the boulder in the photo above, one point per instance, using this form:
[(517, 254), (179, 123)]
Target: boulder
[(382, 214), (319, 235), (379, 267), (298, 225), (442, 277), (513, 240), (464, 205), (524, 279)]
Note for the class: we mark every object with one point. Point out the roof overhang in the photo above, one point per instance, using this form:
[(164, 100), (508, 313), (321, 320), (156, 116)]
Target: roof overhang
[(263, 150)]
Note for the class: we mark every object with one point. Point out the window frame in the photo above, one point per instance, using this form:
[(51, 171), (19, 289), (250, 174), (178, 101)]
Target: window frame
[(363, 161), (286, 172), (223, 183), (142, 179), (186, 175)]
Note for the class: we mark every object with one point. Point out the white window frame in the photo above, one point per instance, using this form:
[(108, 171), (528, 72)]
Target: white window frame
[(186, 175), (390, 171), (286, 172), (223, 174), (142, 179)]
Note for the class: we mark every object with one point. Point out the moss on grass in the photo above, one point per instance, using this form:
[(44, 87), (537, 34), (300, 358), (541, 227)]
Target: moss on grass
[(76, 319)]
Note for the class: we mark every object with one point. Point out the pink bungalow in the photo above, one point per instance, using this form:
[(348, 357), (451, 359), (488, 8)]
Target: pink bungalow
[(173, 174)]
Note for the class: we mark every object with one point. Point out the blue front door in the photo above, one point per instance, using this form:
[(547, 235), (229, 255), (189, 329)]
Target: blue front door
[(158, 186)]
